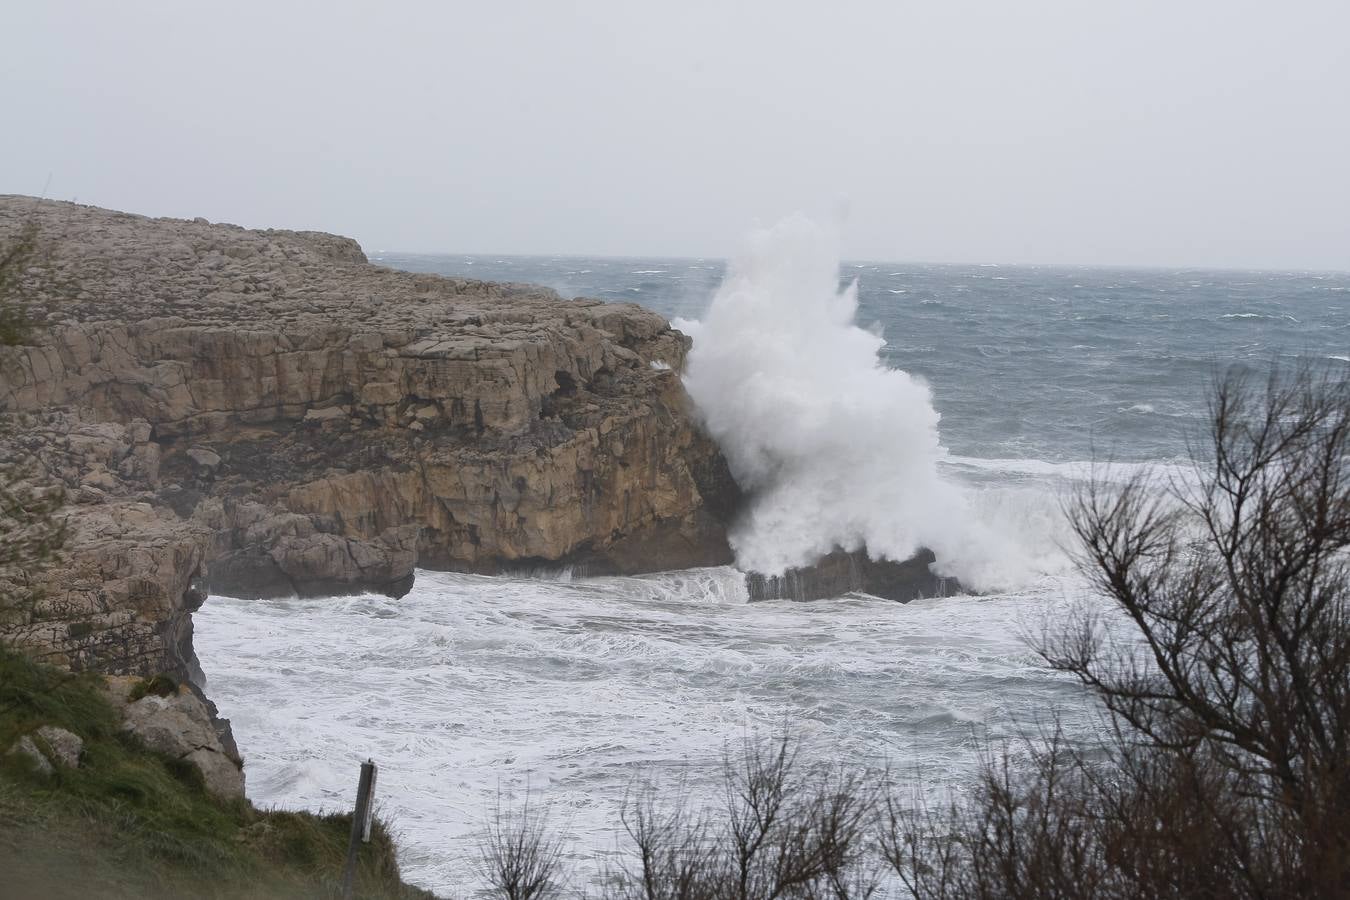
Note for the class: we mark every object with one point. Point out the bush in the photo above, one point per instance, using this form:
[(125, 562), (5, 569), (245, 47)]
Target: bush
[(1226, 679), (160, 685), (518, 857)]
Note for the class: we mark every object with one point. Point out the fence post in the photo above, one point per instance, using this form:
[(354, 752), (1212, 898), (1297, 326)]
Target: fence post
[(361, 817)]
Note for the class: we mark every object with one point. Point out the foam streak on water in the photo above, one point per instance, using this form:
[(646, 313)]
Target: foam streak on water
[(470, 684)]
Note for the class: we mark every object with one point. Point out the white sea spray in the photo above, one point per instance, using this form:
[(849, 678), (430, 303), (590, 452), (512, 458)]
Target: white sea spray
[(835, 448)]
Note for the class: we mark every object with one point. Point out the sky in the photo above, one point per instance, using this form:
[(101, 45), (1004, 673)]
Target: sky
[(1210, 133)]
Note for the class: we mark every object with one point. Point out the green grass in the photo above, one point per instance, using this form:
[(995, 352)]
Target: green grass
[(132, 823)]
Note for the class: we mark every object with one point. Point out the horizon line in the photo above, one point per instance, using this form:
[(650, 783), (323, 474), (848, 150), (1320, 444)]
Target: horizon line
[(1139, 267)]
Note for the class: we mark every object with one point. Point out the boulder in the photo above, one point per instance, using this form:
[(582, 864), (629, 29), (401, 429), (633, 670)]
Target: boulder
[(331, 414), (181, 726), (63, 747), (25, 746), (204, 458), (49, 747)]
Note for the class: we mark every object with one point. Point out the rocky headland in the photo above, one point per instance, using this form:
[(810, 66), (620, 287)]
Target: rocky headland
[(266, 413)]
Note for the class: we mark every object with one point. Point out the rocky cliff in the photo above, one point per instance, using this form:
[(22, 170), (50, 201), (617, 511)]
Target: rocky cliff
[(265, 412)]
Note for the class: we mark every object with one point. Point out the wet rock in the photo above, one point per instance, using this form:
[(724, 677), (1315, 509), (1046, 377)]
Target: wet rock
[(841, 572)]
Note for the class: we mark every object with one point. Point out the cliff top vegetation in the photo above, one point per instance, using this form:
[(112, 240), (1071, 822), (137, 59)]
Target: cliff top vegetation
[(129, 822)]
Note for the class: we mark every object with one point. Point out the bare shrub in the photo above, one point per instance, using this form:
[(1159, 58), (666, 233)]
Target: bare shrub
[(1228, 688), (783, 829), (519, 856)]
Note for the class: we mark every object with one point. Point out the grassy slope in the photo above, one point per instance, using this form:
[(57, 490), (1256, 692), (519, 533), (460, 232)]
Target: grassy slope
[(132, 823)]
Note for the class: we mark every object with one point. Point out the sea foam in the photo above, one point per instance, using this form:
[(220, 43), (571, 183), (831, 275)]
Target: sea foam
[(475, 689)]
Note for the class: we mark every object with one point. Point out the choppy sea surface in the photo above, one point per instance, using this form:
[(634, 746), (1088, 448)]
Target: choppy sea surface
[(571, 688)]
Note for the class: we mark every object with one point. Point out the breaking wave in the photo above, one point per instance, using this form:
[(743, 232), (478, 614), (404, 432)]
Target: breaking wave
[(835, 448)]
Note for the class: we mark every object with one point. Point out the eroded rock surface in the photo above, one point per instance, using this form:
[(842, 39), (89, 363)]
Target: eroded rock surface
[(266, 413), (182, 725)]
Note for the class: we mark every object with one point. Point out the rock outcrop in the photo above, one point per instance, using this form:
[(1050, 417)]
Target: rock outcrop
[(264, 413), (843, 572), (180, 724)]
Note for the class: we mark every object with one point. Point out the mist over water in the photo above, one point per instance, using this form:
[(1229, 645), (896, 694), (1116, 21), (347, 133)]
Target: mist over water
[(835, 448)]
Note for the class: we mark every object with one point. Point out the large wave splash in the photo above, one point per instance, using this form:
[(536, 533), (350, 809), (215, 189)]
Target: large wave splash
[(834, 447)]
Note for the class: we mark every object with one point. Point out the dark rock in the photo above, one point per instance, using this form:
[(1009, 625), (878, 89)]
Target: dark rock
[(841, 572)]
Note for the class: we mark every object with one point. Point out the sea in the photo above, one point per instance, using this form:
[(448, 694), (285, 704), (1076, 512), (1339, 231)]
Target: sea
[(475, 694)]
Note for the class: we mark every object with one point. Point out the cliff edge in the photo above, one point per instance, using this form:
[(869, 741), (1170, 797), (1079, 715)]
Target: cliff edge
[(267, 413)]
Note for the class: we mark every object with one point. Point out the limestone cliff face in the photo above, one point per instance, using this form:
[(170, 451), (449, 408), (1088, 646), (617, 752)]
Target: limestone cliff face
[(265, 412)]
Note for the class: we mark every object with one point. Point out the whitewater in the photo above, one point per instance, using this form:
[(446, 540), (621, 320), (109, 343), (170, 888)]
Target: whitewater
[(569, 689), (835, 448)]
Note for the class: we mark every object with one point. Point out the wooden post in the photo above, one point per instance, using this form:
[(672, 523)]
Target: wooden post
[(370, 801), (361, 818)]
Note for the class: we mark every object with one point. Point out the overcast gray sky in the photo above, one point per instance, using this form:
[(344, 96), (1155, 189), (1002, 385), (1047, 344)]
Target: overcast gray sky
[(1189, 132)]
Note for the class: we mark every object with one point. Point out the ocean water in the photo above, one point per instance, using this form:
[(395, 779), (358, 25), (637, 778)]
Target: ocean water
[(570, 689), (1026, 363)]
